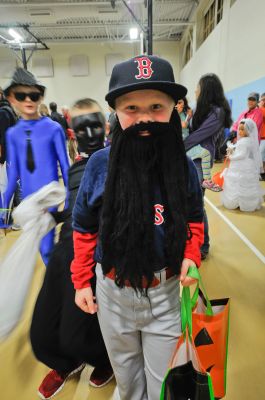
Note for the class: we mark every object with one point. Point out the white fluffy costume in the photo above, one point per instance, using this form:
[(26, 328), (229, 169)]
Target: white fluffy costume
[(241, 180)]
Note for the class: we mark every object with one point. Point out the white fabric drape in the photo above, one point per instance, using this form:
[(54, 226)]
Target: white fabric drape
[(252, 129), (241, 179), (16, 269), (3, 179)]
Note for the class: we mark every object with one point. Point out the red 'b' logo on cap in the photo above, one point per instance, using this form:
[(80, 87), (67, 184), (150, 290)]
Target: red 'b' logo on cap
[(144, 68)]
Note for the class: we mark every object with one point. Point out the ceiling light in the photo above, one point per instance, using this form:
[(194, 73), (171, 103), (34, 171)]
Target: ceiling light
[(15, 35), (133, 33)]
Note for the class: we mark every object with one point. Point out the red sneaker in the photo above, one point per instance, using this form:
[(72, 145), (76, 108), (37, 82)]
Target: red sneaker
[(54, 382), (101, 376)]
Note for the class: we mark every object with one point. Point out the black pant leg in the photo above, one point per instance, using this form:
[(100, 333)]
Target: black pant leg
[(62, 335), (80, 332), (46, 320)]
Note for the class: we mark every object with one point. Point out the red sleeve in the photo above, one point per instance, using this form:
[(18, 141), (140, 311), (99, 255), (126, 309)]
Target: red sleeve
[(83, 262), (258, 118), (235, 124), (193, 245)]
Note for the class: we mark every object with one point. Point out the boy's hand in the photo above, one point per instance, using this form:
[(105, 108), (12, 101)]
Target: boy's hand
[(84, 299), (184, 279)]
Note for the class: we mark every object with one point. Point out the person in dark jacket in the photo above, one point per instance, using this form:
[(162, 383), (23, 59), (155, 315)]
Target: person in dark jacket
[(211, 116), (62, 336), (8, 118), (55, 116)]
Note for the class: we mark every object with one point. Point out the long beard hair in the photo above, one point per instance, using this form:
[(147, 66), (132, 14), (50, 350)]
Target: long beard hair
[(138, 165)]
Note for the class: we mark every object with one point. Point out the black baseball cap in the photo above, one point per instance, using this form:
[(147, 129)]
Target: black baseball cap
[(143, 72), (254, 96)]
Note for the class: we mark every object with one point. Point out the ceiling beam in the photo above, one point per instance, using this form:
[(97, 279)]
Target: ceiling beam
[(101, 39), (89, 3), (91, 25), (54, 4)]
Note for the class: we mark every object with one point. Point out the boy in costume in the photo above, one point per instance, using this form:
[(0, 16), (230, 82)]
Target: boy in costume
[(138, 215), (35, 145), (62, 336)]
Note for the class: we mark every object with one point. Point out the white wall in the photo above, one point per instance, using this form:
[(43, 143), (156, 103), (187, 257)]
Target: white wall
[(65, 89), (235, 50)]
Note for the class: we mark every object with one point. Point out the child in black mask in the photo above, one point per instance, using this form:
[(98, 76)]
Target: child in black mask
[(62, 336)]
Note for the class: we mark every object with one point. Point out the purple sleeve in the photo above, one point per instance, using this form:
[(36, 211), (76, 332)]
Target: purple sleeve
[(208, 128), (60, 146)]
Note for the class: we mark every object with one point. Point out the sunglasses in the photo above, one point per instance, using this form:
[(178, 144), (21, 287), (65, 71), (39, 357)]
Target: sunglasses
[(21, 96)]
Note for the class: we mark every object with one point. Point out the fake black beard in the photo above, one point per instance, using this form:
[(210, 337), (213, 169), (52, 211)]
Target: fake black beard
[(139, 164), (141, 152)]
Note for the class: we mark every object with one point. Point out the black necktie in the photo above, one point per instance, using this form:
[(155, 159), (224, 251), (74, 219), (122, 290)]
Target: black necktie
[(30, 158)]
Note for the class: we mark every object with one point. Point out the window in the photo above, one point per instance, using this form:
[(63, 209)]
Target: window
[(209, 21), (188, 47), (212, 17), (188, 52), (219, 10)]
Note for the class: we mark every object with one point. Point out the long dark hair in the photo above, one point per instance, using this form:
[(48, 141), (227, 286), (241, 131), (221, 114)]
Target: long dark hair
[(127, 225), (186, 107), (211, 95)]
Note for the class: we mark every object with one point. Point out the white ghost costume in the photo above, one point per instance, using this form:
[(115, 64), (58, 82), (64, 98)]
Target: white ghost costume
[(241, 179)]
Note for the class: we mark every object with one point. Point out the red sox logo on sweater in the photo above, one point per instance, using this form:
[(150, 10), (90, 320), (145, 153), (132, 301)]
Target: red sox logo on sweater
[(144, 68), (159, 209)]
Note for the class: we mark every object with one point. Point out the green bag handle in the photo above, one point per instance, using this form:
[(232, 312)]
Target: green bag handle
[(186, 315), (163, 387), (188, 302), (193, 272)]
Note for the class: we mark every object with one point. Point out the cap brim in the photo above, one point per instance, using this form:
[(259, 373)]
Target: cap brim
[(7, 89), (174, 90)]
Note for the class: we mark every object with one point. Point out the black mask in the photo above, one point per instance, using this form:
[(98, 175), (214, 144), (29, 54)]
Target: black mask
[(89, 131)]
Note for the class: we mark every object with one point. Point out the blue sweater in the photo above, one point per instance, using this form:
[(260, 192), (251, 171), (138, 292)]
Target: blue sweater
[(86, 213), (49, 148)]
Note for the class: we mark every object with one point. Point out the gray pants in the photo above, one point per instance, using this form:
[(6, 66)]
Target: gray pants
[(140, 334)]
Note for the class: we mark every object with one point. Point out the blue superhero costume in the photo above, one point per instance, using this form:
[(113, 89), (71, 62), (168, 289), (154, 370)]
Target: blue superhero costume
[(47, 141)]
